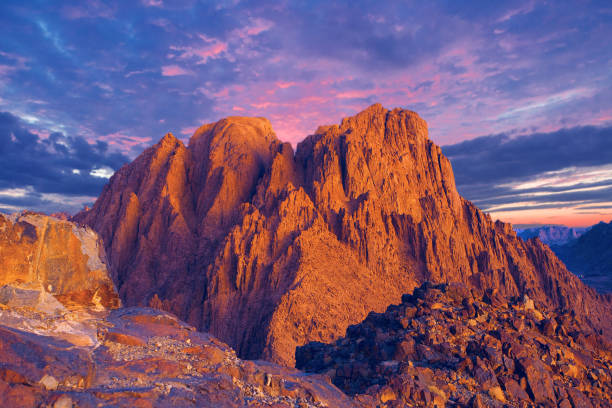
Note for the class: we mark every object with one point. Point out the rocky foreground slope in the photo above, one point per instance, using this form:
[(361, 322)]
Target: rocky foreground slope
[(64, 343), (141, 358), (270, 249), (444, 346)]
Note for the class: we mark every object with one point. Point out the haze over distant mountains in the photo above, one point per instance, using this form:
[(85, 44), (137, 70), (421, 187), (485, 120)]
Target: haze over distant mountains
[(550, 234), (590, 256), (585, 251)]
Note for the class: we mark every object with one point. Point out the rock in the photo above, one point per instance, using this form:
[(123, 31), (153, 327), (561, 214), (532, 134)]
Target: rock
[(268, 249), (63, 401), (477, 402), (514, 390), (153, 369), (491, 363), (387, 394), (497, 393), (124, 339), (48, 382), (549, 327), (32, 296), (538, 380), (40, 254)]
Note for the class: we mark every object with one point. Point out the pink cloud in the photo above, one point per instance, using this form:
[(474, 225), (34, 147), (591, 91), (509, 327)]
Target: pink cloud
[(212, 48), (284, 85), (153, 3), (189, 130), (41, 133), (354, 94), (17, 62), (124, 142), (255, 27), (174, 70), (525, 9)]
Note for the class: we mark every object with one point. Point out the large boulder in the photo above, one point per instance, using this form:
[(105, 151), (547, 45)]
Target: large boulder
[(43, 258)]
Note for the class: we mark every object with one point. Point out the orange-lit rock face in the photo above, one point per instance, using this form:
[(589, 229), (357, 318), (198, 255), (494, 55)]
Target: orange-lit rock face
[(57, 257), (268, 249)]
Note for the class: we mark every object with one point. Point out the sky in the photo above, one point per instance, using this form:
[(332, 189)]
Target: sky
[(518, 93)]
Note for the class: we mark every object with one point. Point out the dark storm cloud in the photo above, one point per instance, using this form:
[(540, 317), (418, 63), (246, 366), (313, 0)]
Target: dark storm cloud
[(499, 158), (58, 165), (488, 168)]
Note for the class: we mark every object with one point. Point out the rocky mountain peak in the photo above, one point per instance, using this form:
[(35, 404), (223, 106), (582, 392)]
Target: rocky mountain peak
[(268, 249)]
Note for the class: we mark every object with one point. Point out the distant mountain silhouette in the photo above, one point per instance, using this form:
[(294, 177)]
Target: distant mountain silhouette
[(590, 256), (550, 234)]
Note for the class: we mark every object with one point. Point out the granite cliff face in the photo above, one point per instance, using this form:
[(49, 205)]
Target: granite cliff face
[(268, 249)]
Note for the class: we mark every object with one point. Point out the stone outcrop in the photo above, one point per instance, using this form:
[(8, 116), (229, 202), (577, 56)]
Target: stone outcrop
[(43, 258), (445, 346), (144, 358), (64, 342), (269, 249)]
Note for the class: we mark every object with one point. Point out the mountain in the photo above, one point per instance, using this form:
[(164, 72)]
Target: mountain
[(65, 342), (268, 249), (550, 234), (444, 346), (590, 256)]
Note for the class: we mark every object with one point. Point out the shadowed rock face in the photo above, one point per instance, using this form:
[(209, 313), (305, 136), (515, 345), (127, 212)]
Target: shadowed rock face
[(590, 256), (42, 258), (268, 249), (443, 346)]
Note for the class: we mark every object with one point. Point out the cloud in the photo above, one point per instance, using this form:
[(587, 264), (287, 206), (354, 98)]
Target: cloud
[(500, 158), (55, 173), (153, 3), (101, 69), (88, 9), (567, 168), (174, 70), (208, 48)]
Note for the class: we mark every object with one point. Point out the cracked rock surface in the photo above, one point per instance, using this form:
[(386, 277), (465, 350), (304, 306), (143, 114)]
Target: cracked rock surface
[(446, 346)]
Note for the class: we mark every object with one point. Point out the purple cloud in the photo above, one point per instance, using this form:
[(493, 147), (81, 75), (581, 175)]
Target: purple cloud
[(128, 72)]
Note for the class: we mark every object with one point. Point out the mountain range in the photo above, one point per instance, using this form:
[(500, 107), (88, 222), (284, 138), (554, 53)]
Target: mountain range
[(271, 250), (590, 256), (550, 234), (585, 251)]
